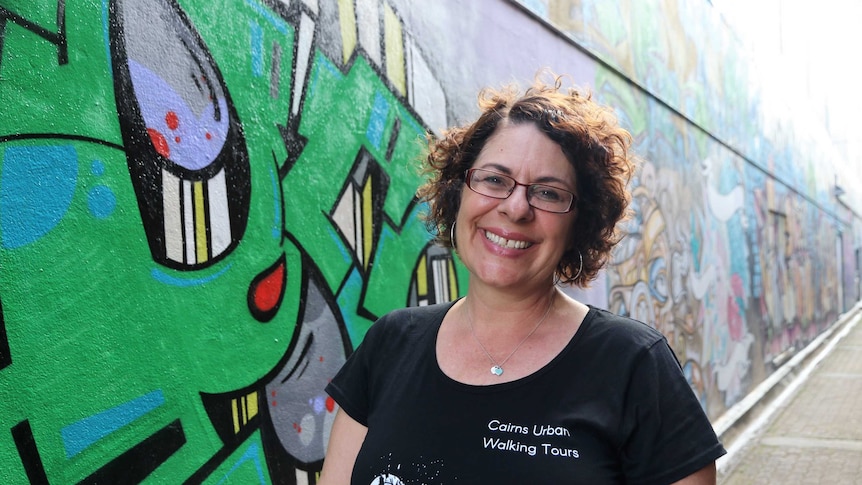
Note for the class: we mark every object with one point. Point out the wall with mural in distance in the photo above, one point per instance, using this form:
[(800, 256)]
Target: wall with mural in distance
[(205, 204), (740, 251)]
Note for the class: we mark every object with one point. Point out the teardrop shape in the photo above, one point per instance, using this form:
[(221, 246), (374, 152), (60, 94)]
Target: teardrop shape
[(267, 290)]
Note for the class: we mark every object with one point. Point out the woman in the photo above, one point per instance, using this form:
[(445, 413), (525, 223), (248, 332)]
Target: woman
[(517, 382)]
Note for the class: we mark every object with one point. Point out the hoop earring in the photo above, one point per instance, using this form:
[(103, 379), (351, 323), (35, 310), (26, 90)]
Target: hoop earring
[(452, 237), (581, 267)]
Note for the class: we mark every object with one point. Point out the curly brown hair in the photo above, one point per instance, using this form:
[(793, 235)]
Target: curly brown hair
[(591, 139)]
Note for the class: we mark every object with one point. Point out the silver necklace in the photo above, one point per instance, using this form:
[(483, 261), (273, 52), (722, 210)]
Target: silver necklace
[(497, 368)]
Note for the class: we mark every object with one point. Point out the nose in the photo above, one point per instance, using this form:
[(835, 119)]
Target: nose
[(516, 206)]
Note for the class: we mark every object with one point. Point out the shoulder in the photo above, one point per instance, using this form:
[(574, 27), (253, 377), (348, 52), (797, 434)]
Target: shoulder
[(404, 325), (616, 342), (620, 330), (417, 314)]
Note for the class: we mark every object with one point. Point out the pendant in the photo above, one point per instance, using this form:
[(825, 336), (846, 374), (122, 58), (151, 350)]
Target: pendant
[(497, 370)]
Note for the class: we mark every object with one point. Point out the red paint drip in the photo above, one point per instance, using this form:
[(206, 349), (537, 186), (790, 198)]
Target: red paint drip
[(274, 404), (297, 427), (269, 289), (159, 142), (330, 404), (209, 136), (172, 120), (177, 139)]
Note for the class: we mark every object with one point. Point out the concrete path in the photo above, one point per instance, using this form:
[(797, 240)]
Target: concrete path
[(815, 437)]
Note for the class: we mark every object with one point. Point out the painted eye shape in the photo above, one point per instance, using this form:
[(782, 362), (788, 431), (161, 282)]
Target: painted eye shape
[(183, 139)]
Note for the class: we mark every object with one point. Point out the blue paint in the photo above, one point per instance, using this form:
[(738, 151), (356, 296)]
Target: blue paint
[(694, 244), (318, 404), (347, 255), (162, 277), (79, 436), (256, 49), (658, 280), (252, 453), (199, 138), (277, 23), (105, 38), (536, 7), (37, 184), (101, 201), (377, 122), (409, 123), (321, 65), (349, 298), (97, 168)]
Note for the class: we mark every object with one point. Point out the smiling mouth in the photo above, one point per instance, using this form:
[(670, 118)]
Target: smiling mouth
[(507, 243)]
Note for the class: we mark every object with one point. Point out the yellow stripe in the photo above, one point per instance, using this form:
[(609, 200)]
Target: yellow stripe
[(200, 222), (367, 222), (393, 41), (347, 20), (453, 280), (422, 278), (235, 416), (251, 401)]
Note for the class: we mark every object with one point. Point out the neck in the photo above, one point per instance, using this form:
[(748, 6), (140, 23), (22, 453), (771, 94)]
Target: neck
[(506, 312)]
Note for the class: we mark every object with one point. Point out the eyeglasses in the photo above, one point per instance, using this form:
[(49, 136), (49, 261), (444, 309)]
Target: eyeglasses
[(499, 186)]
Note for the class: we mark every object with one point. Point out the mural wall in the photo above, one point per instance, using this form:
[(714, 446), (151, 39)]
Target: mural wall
[(740, 251), (205, 204), (203, 208)]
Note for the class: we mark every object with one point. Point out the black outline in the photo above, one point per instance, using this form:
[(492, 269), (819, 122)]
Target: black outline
[(146, 165), (22, 434), (139, 461), (5, 353), (58, 38), (258, 313)]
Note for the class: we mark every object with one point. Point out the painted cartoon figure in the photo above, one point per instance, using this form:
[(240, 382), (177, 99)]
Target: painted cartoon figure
[(193, 232)]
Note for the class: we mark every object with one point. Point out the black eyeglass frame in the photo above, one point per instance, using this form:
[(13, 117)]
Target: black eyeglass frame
[(468, 181)]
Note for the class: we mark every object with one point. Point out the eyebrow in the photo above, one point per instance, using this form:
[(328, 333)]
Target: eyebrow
[(548, 179)]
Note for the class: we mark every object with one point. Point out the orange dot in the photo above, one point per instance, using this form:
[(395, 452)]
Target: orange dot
[(159, 142), (172, 120)]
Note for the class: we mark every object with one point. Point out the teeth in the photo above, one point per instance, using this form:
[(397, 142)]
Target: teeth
[(506, 243)]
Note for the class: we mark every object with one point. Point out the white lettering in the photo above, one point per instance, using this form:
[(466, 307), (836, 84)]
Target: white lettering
[(562, 452), (549, 430), (496, 425), (509, 445)]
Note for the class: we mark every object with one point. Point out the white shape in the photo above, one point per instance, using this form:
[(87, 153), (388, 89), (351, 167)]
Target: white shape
[(219, 213)]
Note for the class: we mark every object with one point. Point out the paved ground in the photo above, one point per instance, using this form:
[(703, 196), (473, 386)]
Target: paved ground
[(816, 436)]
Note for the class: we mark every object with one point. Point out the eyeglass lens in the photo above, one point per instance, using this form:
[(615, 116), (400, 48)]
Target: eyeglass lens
[(500, 186)]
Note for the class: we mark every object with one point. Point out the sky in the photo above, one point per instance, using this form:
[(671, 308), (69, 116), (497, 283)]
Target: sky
[(800, 46)]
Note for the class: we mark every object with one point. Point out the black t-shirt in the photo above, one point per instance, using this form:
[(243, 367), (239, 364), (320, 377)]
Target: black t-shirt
[(612, 407)]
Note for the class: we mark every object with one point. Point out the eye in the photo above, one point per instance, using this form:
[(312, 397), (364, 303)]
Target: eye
[(548, 193), (488, 178), (184, 142)]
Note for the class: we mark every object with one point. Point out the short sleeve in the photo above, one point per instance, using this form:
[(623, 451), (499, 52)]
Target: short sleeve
[(668, 434)]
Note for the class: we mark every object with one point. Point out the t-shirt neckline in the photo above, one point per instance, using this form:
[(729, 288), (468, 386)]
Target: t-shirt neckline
[(480, 388)]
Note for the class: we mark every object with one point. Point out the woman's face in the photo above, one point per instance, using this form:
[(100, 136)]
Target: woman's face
[(507, 243)]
